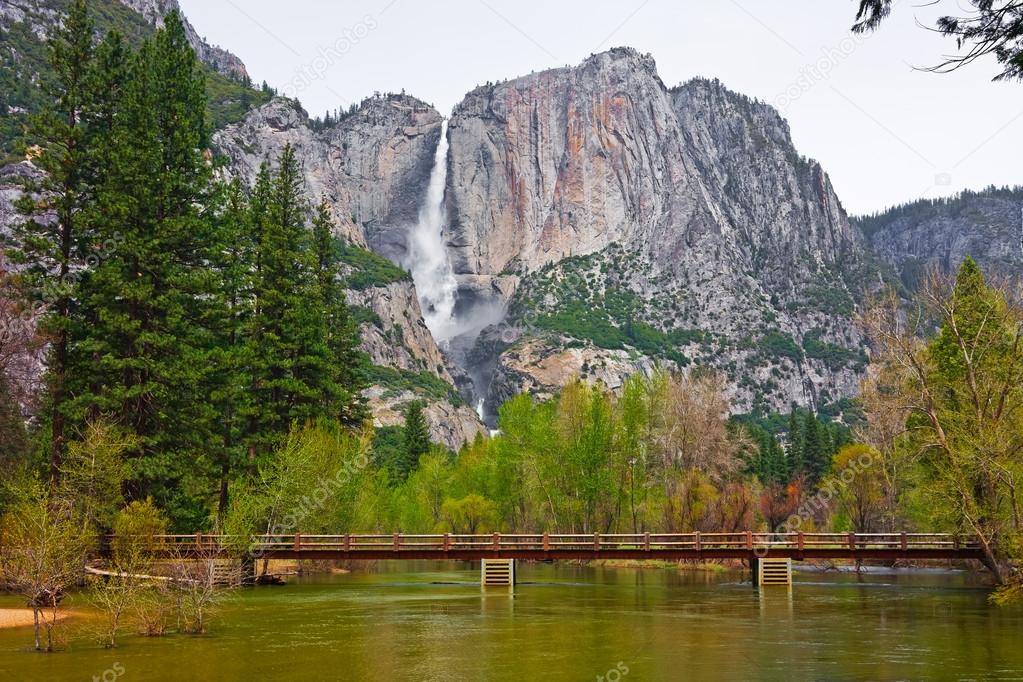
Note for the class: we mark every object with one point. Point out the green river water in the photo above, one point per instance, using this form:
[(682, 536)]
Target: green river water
[(434, 622)]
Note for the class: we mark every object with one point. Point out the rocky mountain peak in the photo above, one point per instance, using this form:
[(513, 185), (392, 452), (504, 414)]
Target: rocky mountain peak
[(279, 114), (710, 94), (220, 59), (400, 109), (622, 59)]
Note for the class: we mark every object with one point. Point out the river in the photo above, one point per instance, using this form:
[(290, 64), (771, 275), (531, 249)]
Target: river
[(433, 622)]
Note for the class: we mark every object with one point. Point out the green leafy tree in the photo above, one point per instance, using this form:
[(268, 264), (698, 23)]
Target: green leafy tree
[(94, 473), (959, 396), (470, 515), (305, 485), (129, 589), (42, 553), (857, 482)]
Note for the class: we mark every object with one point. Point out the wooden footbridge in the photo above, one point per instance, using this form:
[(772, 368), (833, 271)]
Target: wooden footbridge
[(581, 547)]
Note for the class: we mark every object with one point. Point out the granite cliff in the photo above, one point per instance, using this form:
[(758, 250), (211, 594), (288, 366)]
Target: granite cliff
[(649, 224)]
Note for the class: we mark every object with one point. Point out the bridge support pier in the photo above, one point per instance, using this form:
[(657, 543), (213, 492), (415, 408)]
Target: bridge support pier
[(497, 572), (773, 571)]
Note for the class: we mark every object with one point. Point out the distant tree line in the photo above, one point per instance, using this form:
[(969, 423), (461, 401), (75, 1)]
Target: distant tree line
[(923, 209)]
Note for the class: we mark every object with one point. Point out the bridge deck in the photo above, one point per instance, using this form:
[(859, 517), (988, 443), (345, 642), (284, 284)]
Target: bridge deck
[(696, 546)]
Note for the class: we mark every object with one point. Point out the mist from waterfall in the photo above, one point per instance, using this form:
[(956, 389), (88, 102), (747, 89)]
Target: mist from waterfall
[(427, 254)]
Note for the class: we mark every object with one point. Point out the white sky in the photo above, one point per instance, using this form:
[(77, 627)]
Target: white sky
[(885, 132)]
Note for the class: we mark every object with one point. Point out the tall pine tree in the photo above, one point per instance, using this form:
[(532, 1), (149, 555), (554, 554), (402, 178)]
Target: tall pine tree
[(796, 464), (147, 299), (291, 359), (230, 357), (347, 403), (815, 451), (415, 440)]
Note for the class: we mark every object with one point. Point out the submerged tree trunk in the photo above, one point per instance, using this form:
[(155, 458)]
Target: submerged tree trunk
[(35, 619)]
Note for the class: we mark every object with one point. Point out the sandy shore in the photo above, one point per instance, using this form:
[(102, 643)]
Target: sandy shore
[(20, 618), (15, 618)]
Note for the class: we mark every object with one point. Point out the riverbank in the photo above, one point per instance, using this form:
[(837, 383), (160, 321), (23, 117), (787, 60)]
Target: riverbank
[(21, 618), (685, 566)]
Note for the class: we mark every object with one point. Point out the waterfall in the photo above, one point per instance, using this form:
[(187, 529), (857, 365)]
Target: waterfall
[(427, 254)]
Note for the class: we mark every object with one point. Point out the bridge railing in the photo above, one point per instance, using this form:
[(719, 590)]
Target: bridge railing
[(569, 542)]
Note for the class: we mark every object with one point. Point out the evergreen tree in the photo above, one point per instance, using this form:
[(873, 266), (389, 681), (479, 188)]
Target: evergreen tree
[(796, 463), (416, 439), (840, 437), (815, 455), (53, 249), (778, 467), (291, 359), (772, 465), (230, 357), (147, 299), (348, 405), (106, 82), (756, 462)]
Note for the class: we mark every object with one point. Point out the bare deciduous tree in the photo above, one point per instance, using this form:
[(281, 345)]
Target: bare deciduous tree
[(42, 552), (690, 424)]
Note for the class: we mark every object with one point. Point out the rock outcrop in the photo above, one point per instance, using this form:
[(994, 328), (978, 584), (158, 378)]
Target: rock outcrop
[(12, 179), (39, 17), (372, 167), (397, 336), (454, 426)]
